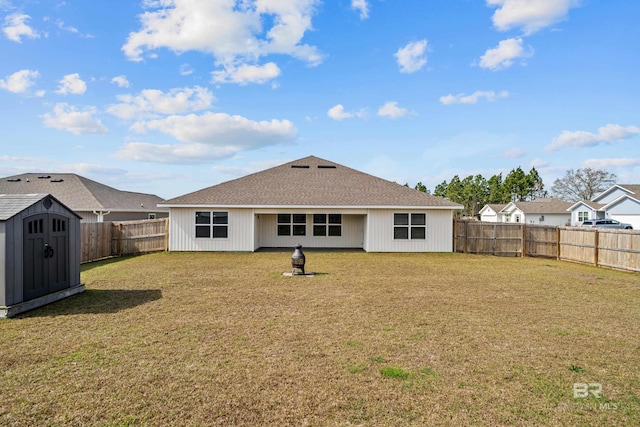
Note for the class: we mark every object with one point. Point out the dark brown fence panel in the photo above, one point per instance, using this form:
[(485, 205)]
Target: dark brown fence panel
[(541, 240)]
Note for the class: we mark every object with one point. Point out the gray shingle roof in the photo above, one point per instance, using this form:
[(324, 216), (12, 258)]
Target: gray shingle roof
[(542, 206), (311, 181), (79, 193), (634, 188), (13, 204)]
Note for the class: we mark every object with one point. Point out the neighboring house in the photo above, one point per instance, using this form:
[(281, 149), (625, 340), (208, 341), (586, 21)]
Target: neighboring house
[(92, 201), (316, 203), (620, 202), (489, 213), (547, 211)]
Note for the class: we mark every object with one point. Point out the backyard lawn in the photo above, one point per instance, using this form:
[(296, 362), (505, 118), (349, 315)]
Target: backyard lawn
[(372, 339)]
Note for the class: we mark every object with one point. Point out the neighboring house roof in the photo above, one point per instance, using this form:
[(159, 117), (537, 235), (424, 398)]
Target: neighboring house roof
[(593, 205), (311, 181), (540, 206), (13, 204), (79, 193), (629, 188), (495, 207)]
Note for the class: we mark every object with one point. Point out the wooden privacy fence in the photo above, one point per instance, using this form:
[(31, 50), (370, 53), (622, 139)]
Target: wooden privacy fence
[(600, 247), (107, 239)]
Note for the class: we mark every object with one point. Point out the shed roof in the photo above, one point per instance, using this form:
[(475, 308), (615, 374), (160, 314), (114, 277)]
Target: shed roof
[(311, 181), (79, 193), (13, 204)]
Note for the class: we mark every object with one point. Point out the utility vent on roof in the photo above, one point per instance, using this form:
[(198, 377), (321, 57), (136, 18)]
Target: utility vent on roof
[(326, 167), (300, 166), (57, 180), (44, 177), (14, 180)]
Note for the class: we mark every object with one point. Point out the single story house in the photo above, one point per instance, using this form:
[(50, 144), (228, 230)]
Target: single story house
[(313, 202), (620, 202), (547, 211), (92, 201), (490, 213)]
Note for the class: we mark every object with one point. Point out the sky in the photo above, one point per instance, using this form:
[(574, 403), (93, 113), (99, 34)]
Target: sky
[(171, 96)]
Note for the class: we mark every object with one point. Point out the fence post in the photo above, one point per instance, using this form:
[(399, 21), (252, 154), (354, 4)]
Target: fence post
[(166, 234), (557, 243), (466, 236), (523, 249), (596, 243)]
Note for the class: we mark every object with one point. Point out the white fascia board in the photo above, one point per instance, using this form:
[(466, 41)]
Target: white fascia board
[(608, 190), (210, 206)]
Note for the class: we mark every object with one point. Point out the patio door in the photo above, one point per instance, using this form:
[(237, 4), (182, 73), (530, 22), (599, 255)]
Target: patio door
[(45, 255)]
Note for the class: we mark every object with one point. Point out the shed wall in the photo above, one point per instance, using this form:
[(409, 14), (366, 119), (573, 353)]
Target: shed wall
[(439, 232), (13, 260)]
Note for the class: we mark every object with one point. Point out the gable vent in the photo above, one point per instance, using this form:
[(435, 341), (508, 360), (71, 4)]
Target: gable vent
[(300, 166), (326, 167), (14, 180), (57, 180)]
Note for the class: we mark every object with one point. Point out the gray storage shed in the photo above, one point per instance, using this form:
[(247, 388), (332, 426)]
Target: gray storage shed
[(39, 252)]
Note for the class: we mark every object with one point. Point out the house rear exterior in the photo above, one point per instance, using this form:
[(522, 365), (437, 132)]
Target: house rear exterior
[(620, 202), (316, 203)]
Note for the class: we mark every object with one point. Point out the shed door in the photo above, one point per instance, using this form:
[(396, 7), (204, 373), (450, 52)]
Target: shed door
[(46, 255)]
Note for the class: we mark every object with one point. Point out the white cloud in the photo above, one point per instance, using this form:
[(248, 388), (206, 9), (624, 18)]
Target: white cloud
[(71, 84), (121, 81), (412, 57), (20, 81), (610, 163), (391, 109), (153, 101), (504, 54), (244, 74), (473, 98), (514, 153), (236, 33), (206, 137), (67, 117), (60, 24), (337, 112), (530, 15), (185, 70), (579, 139), (15, 27), (362, 6)]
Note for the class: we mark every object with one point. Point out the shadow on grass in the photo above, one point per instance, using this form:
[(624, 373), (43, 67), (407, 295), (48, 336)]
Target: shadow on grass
[(96, 301)]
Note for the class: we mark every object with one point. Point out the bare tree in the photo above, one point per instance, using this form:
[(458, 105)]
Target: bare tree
[(582, 184)]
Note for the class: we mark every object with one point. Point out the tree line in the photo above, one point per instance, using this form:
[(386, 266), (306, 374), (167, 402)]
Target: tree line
[(475, 191)]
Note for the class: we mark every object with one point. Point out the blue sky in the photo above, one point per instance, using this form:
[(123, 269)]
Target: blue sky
[(171, 96)]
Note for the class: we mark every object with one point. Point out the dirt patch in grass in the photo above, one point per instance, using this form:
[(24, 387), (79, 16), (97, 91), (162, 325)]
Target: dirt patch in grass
[(372, 339)]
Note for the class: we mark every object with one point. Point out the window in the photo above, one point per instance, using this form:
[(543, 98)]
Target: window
[(292, 224), (152, 216), (327, 225), (517, 218), (409, 226), (583, 216), (212, 224)]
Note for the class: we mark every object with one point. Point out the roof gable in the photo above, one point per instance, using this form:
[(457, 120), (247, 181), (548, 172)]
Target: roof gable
[(13, 204), (310, 181), (586, 203), (79, 193), (539, 206), (621, 188)]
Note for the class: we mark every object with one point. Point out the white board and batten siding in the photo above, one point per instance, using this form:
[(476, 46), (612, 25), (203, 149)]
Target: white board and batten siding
[(439, 229), (182, 231), (369, 229)]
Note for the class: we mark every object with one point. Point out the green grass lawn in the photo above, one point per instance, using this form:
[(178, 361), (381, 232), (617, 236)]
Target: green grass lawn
[(372, 339)]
